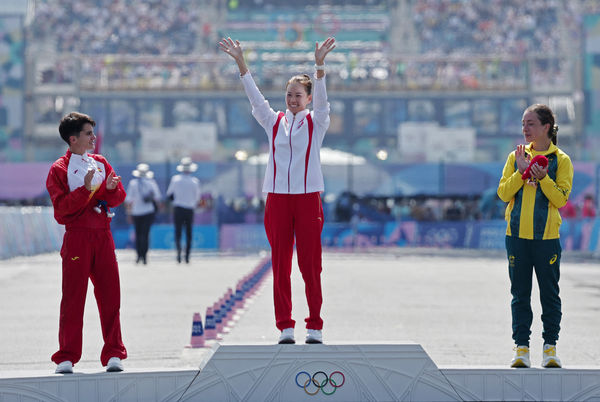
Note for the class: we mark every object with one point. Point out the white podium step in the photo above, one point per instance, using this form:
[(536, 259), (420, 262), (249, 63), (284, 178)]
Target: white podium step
[(382, 372), (352, 372)]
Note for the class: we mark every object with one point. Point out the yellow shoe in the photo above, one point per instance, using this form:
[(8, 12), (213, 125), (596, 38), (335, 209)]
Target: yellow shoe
[(521, 358), (550, 359)]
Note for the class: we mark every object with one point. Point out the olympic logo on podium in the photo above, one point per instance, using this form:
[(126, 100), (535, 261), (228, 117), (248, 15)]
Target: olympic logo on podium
[(320, 380)]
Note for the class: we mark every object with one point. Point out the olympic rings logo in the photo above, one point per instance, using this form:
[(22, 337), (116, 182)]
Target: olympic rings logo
[(320, 380)]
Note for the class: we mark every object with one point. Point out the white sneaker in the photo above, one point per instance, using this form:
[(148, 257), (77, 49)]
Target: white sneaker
[(114, 365), (65, 367), (314, 336), (521, 358), (549, 358), (287, 336)]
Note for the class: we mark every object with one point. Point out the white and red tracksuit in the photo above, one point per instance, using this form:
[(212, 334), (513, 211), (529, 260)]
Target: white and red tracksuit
[(294, 181), (88, 252)]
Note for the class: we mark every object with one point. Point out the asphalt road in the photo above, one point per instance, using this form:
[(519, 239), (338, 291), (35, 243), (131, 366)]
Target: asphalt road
[(456, 304)]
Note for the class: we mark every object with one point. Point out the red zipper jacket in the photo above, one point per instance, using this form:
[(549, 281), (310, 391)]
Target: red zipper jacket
[(75, 208)]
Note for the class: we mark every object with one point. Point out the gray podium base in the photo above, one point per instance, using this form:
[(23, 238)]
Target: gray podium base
[(525, 384), (372, 372)]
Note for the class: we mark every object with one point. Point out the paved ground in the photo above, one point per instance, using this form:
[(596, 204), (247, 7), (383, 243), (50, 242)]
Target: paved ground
[(455, 303)]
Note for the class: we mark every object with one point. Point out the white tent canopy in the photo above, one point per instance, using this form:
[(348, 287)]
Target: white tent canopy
[(331, 157)]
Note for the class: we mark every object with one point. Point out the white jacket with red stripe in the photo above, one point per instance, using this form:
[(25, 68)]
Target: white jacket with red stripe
[(294, 165)]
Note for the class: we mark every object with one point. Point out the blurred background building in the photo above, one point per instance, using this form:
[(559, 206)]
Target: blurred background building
[(151, 74), (426, 95)]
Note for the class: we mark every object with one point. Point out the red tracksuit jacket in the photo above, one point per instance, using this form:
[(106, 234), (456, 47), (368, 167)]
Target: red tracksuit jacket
[(74, 208)]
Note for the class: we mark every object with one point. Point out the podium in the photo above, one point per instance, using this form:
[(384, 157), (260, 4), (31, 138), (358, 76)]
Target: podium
[(375, 372), (340, 372)]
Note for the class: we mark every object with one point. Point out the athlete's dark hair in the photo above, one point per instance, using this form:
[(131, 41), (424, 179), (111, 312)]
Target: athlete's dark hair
[(72, 124), (303, 79), (544, 113)]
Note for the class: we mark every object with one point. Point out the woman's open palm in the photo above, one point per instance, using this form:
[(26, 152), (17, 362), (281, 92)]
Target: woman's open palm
[(234, 49), (320, 52)]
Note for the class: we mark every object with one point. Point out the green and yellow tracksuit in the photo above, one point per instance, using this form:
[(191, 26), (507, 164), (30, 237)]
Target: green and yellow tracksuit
[(532, 239)]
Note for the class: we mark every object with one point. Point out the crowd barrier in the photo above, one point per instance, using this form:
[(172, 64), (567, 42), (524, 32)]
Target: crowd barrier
[(162, 236), (28, 231), (33, 230)]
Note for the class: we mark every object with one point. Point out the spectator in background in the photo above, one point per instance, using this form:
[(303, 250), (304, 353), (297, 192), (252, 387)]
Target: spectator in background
[(568, 211), (532, 232), (184, 192), (589, 207), (142, 202), (76, 182), (454, 211), (490, 205)]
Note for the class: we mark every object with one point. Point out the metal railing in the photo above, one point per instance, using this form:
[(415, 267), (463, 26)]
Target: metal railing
[(359, 69)]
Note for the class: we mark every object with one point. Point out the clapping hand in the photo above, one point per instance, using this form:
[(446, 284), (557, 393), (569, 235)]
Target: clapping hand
[(522, 158), (87, 180), (112, 181), (538, 172)]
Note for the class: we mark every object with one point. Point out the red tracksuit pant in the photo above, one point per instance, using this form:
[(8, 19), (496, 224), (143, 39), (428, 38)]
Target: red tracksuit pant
[(89, 254), (301, 215)]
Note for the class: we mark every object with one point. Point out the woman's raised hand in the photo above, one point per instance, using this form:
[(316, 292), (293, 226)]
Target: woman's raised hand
[(234, 49), (321, 52)]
